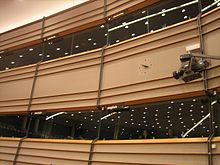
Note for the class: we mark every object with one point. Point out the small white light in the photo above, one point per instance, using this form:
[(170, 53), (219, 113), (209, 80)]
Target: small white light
[(180, 109), (185, 17), (181, 122), (168, 121), (79, 112), (193, 119), (31, 49), (85, 118), (146, 23), (117, 41), (77, 46), (152, 126), (72, 114), (58, 49), (21, 56), (6, 68), (190, 110), (218, 4), (192, 105), (126, 122), (184, 126), (182, 104), (172, 102), (102, 26), (95, 127), (168, 112), (91, 119), (144, 117), (132, 123), (156, 114), (131, 115), (132, 110), (157, 110), (66, 53), (89, 39), (194, 100), (139, 124), (40, 54), (216, 126), (180, 118), (126, 27), (48, 56), (12, 62), (112, 119), (133, 34), (163, 14), (106, 34), (202, 106), (94, 43), (169, 107), (183, 10), (67, 121), (132, 119), (156, 119), (171, 125), (143, 12), (145, 108)]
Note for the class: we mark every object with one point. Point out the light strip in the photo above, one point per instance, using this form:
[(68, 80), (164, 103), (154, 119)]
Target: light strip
[(56, 114), (105, 117), (207, 7), (196, 125), (153, 15)]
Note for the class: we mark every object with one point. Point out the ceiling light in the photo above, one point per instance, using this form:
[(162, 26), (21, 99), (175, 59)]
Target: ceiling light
[(180, 118), (72, 114), (168, 116), (85, 118), (168, 121), (180, 109), (67, 121), (193, 119), (144, 121), (139, 124), (171, 125), (117, 41), (158, 123), (185, 17), (133, 34), (182, 104), (152, 126), (181, 122), (89, 39), (190, 110), (48, 56), (202, 106), (183, 10), (79, 112), (12, 62), (192, 105), (184, 126), (172, 102), (126, 122), (156, 119), (106, 34), (94, 43), (131, 115), (169, 107), (132, 119), (108, 127), (66, 53), (58, 49), (6, 68), (218, 4), (132, 123), (157, 110), (77, 46), (126, 27), (112, 119), (216, 126), (160, 127), (143, 12), (91, 119), (132, 110), (168, 112), (40, 54), (145, 108), (146, 23), (144, 113), (31, 49), (163, 14), (144, 117), (102, 26), (156, 114), (20, 56)]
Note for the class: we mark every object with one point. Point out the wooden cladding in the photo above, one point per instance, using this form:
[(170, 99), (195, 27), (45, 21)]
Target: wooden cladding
[(145, 152), (72, 82), (77, 18)]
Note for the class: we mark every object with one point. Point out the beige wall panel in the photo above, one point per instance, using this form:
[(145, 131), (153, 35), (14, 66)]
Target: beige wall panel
[(8, 143), (13, 109), (211, 26), (121, 6), (149, 94), (132, 70), (62, 145), (154, 159), (20, 42), (209, 17), (72, 81), (87, 7), (63, 105), (2, 162), (214, 83), (21, 31), (6, 156), (23, 37), (8, 150), (67, 97), (19, 89), (53, 161), (70, 26), (153, 148), (55, 154), (74, 19)]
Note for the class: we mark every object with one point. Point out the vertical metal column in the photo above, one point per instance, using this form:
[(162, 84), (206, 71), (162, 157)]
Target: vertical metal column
[(205, 84)]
